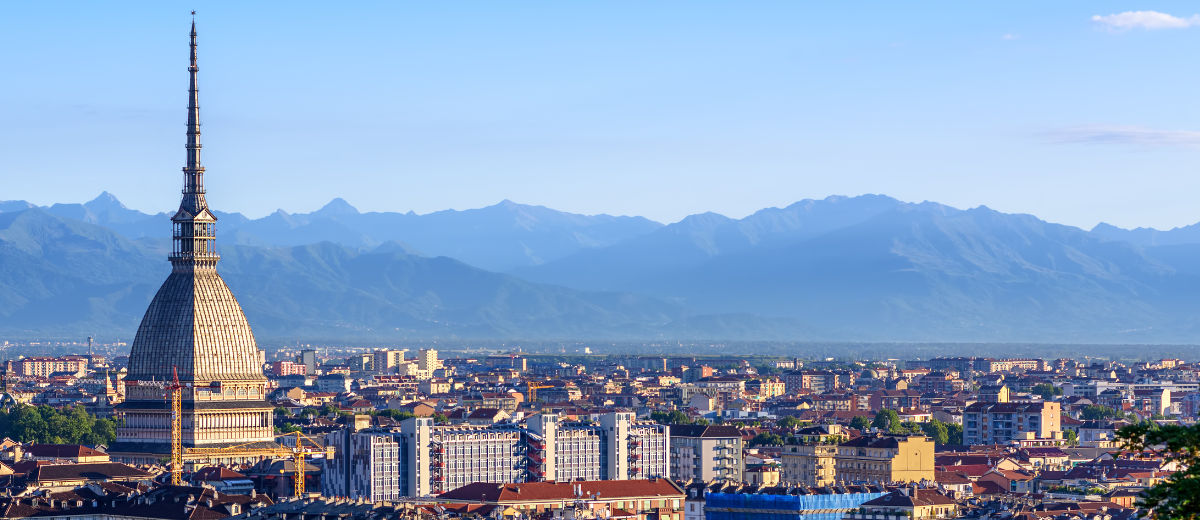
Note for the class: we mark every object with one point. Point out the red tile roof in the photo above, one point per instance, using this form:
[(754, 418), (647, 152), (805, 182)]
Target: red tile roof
[(547, 491)]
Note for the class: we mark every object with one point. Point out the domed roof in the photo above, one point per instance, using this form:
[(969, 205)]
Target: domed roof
[(194, 324)]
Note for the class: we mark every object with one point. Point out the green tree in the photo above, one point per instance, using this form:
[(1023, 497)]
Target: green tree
[(1097, 412), (104, 431), (888, 421), (672, 417), (1046, 390), (1071, 437), (790, 422), (937, 431), (860, 422), (1179, 495), (767, 439), (954, 433), (28, 425), (394, 414)]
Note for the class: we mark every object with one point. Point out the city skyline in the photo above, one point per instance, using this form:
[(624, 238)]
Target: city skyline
[(1077, 113)]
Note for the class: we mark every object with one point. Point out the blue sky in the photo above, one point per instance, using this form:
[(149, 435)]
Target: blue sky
[(1074, 111)]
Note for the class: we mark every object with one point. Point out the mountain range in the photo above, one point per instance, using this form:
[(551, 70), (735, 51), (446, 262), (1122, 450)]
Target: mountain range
[(867, 268)]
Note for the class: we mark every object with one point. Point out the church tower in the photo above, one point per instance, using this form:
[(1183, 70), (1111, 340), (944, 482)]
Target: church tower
[(195, 327)]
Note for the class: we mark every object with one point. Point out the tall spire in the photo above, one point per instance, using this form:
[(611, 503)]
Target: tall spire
[(194, 225), (193, 187)]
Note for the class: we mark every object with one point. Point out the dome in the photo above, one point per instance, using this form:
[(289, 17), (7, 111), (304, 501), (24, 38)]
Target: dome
[(195, 324)]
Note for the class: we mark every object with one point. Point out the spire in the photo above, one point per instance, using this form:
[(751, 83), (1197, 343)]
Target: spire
[(193, 187), (194, 225)]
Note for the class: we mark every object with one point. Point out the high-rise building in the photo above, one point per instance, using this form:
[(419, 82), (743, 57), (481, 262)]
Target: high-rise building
[(195, 328), (386, 360), (706, 453), (1002, 422), (309, 359), (421, 458), (427, 360)]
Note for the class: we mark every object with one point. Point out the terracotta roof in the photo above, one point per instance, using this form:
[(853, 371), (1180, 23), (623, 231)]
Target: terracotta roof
[(89, 471), (485, 492), (915, 497), (63, 451), (692, 430)]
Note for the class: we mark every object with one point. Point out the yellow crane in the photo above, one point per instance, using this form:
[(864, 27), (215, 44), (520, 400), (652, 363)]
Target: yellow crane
[(533, 388), (297, 453)]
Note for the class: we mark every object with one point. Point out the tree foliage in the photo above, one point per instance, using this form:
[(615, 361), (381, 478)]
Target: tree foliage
[(1097, 412), (937, 431), (1179, 495), (1046, 390), (791, 421), (766, 439), (888, 421), (44, 424), (671, 417), (860, 422)]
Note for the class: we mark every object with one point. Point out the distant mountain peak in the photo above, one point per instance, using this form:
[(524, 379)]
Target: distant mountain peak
[(105, 200), (337, 206)]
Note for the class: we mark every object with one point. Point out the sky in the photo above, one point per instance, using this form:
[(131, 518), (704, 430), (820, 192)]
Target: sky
[(1077, 112)]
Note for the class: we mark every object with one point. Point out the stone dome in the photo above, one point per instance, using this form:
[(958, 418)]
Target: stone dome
[(195, 324)]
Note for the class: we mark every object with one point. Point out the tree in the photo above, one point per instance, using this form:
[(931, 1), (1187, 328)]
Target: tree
[(790, 421), (398, 415), (672, 417), (767, 439), (1179, 495), (954, 433), (1046, 390), (28, 425), (1097, 412), (937, 431), (1071, 437), (860, 422), (888, 421)]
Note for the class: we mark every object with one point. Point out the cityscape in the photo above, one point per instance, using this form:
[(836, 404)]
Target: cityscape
[(841, 358)]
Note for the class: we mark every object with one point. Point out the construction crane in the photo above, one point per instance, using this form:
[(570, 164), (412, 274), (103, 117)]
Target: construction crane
[(174, 393), (533, 388), (297, 454)]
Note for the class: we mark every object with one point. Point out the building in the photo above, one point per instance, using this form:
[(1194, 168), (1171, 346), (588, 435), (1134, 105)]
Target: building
[(812, 460), (708, 453), (422, 459), (194, 330), (288, 368), (885, 458), (788, 503), (657, 499), (427, 360), (45, 366), (1001, 423), (386, 360), (308, 358), (908, 502)]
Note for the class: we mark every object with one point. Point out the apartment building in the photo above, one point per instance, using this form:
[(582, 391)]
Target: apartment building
[(421, 458), (44, 366), (385, 361), (1001, 423), (706, 453), (885, 458)]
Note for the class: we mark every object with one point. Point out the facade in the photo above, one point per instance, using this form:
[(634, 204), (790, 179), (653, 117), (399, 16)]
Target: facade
[(1001, 423), (650, 499), (385, 361), (798, 503), (706, 453), (422, 459), (195, 330), (45, 366), (288, 368), (885, 458)]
